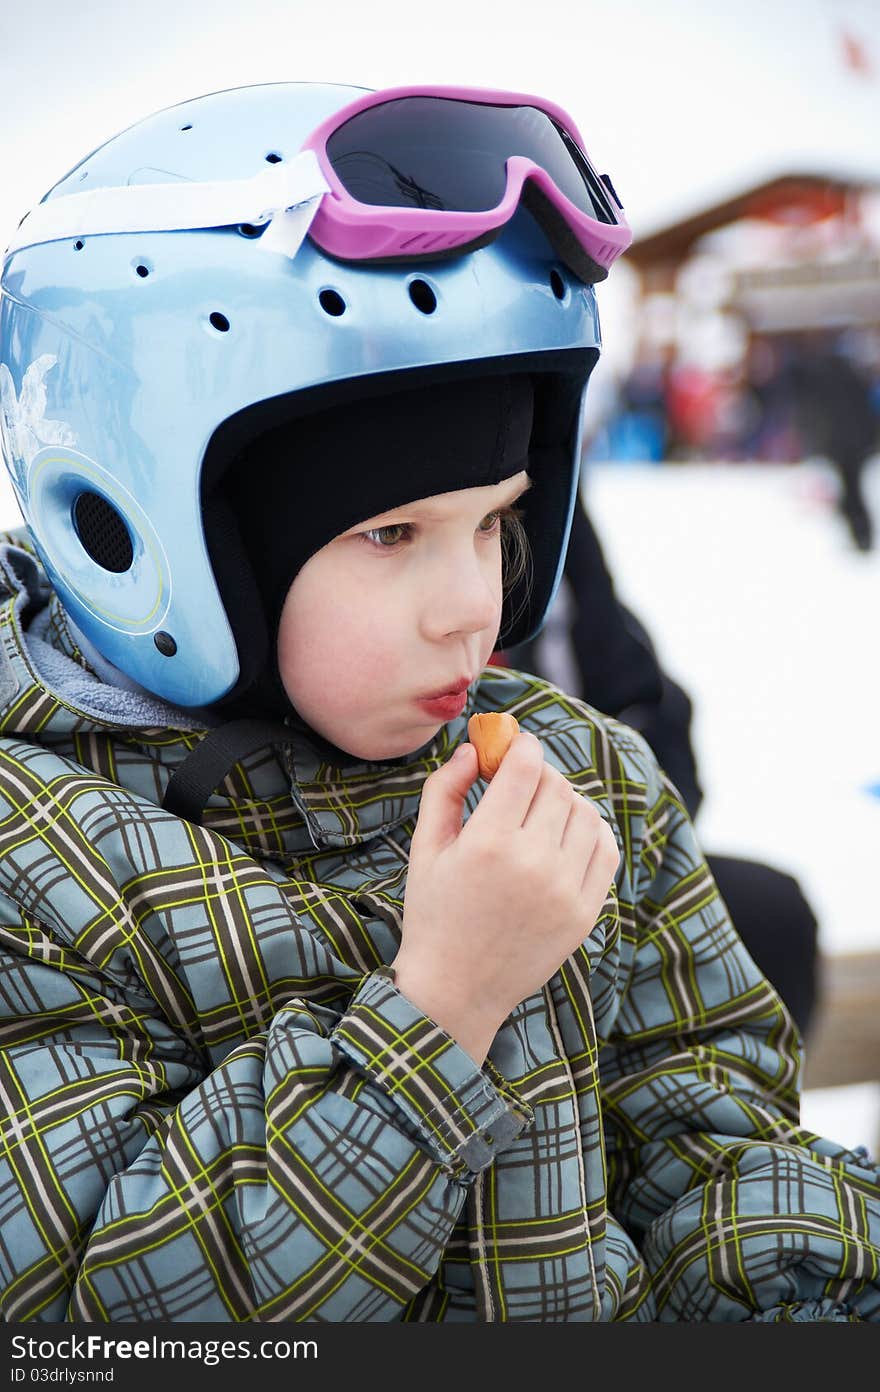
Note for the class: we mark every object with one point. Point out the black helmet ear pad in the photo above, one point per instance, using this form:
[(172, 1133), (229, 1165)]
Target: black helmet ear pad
[(238, 587), (548, 505)]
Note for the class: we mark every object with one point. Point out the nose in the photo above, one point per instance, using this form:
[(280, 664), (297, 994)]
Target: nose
[(461, 597)]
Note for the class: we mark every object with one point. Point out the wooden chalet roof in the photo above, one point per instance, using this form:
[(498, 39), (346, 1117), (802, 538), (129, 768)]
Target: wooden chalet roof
[(782, 199)]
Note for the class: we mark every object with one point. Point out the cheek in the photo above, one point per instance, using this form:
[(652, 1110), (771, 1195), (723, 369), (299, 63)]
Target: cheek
[(333, 647)]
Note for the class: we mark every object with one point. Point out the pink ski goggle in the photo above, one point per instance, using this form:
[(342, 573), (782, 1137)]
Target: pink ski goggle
[(421, 173)]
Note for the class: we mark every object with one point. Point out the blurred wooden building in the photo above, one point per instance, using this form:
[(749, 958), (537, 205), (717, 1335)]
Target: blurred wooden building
[(798, 252)]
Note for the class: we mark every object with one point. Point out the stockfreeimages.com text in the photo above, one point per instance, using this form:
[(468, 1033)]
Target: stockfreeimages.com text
[(97, 1347)]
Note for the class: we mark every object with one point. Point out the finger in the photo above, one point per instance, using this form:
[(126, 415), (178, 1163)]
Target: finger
[(579, 837), (441, 809), (553, 804), (601, 867), (507, 799)]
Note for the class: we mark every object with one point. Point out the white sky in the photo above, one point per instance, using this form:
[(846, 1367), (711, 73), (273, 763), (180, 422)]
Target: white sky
[(680, 100)]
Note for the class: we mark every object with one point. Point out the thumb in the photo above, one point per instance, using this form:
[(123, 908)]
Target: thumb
[(442, 804)]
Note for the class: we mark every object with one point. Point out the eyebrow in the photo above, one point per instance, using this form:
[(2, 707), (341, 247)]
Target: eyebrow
[(418, 508)]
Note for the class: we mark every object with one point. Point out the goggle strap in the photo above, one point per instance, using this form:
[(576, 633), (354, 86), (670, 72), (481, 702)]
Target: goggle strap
[(606, 180), (567, 246), (274, 195)]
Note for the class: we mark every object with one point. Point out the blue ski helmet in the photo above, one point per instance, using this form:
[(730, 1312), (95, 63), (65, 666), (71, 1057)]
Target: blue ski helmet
[(150, 335)]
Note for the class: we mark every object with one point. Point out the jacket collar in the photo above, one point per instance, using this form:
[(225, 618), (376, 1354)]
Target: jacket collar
[(343, 805)]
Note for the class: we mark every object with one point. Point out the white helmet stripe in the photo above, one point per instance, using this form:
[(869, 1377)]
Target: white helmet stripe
[(297, 184)]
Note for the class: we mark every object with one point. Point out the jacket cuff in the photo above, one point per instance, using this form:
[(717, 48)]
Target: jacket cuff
[(822, 1311), (461, 1114)]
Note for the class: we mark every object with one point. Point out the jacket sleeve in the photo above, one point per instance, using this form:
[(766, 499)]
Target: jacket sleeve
[(316, 1172), (740, 1215)]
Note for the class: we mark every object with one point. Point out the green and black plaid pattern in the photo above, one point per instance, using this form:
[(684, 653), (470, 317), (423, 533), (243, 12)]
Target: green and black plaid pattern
[(215, 1109)]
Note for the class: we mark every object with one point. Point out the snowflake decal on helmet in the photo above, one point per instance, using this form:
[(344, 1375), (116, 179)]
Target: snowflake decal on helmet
[(24, 429)]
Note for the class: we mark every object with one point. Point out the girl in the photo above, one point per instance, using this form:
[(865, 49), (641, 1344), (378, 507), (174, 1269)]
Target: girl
[(302, 1021)]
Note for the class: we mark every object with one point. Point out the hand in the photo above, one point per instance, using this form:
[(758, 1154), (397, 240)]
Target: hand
[(494, 907)]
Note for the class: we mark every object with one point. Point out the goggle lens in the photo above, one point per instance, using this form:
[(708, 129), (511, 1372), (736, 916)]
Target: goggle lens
[(432, 152)]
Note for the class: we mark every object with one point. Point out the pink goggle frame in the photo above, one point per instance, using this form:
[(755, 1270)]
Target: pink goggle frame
[(352, 230)]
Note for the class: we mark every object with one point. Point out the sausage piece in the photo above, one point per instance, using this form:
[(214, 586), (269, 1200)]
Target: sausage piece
[(491, 735)]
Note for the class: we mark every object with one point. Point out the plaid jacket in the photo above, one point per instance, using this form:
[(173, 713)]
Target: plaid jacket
[(215, 1109)]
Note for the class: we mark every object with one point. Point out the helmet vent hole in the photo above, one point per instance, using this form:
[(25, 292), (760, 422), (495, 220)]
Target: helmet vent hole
[(185, 128), (78, 246), (142, 270), (273, 158), (219, 322), (332, 303), (557, 284), (103, 532), (422, 296), (247, 229)]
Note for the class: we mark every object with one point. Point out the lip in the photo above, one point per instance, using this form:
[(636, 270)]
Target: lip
[(454, 689), (446, 705)]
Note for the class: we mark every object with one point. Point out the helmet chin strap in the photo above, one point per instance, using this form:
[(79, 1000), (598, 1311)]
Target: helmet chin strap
[(194, 780), (203, 770)]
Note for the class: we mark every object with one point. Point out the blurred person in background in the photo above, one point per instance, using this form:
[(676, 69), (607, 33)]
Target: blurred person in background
[(833, 405), (770, 430), (692, 403), (614, 667), (642, 418)]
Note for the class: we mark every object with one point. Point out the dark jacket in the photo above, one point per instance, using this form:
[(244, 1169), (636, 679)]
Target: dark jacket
[(617, 665)]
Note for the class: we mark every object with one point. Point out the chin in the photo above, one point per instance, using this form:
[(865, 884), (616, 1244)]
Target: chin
[(379, 750)]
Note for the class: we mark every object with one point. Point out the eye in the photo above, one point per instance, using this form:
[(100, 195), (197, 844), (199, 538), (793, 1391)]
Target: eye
[(386, 537), (491, 522)]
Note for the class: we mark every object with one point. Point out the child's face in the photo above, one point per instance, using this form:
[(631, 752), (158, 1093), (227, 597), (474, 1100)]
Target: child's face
[(401, 607)]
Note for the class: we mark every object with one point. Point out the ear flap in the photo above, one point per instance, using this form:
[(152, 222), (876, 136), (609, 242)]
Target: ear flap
[(237, 585), (547, 506)]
